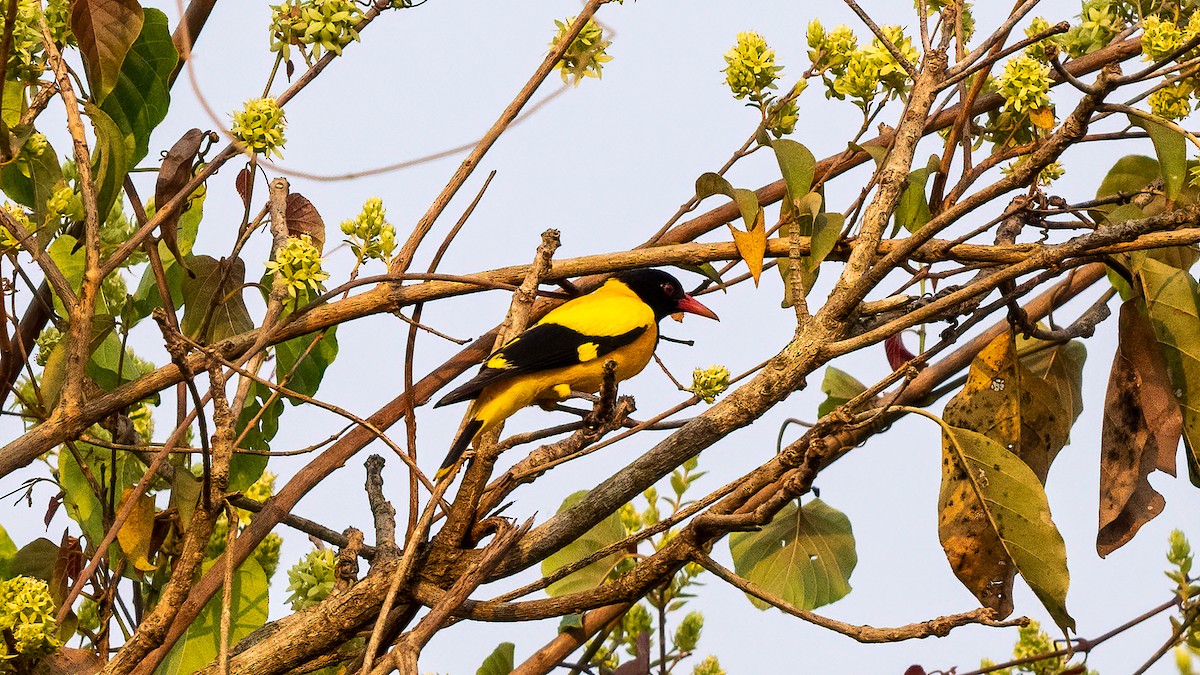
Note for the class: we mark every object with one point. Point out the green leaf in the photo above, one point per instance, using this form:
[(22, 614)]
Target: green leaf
[(8, 551), (570, 622), (796, 164), (913, 209), (106, 358), (245, 468), (839, 387), (1171, 148), (310, 369), (804, 555), (80, 501), (500, 661), (146, 297), (29, 181), (1174, 309), (35, 559), (112, 157), (201, 643), (710, 184), (877, 152), (1003, 495), (69, 260), (105, 29), (229, 315), (608, 531), (142, 91)]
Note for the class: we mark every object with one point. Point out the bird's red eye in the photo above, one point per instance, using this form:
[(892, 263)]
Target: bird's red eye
[(669, 290)]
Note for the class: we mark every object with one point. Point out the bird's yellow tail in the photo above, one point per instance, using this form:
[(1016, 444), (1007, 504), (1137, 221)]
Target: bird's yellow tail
[(461, 442)]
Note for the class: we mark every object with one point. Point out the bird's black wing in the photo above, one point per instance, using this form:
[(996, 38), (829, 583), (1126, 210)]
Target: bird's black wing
[(544, 347)]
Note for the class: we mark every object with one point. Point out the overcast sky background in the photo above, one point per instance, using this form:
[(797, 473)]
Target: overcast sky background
[(606, 164)]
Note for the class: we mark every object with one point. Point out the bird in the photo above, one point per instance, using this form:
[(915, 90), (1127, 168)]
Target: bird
[(566, 350)]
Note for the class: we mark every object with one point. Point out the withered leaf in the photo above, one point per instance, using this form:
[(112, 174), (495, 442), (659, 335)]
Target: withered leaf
[(302, 218), (173, 175), (1140, 433)]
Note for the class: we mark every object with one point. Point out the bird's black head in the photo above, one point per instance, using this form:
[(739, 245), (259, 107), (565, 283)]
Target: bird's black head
[(662, 292)]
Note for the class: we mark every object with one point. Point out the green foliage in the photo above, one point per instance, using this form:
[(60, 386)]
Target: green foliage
[(608, 531), (838, 387), (1031, 642), (500, 661), (805, 555), (201, 642)]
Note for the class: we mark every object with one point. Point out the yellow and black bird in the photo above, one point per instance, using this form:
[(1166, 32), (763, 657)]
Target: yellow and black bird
[(566, 350)]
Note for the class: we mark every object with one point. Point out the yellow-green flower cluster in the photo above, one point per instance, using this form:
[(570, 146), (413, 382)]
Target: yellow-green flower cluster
[(1159, 38), (688, 632), (636, 621), (58, 20), (709, 383), (872, 69), (1025, 85), (46, 342), (1173, 102), (783, 114), (266, 554), (371, 236), (26, 53), (891, 73), (299, 263), (36, 144), (320, 24), (1037, 50), (8, 240), (27, 613), (1192, 29), (750, 67), (830, 51), (311, 580), (630, 518), (709, 666), (260, 126), (586, 55), (64, 201), (1099, 23)]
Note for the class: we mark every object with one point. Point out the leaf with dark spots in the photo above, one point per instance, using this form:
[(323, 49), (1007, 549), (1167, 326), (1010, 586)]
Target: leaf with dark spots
[(217, 284), (173, 175), (987, 489), (1140, 433), (105, 30), (302, 218)]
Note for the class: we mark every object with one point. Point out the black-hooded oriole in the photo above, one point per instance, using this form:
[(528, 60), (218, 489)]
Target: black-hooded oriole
[(566, 350)]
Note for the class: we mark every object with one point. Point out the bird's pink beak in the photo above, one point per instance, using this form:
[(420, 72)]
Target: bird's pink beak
[(693, 306)]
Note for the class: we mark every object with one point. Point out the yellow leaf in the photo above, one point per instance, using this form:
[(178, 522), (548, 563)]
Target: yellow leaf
[(1042, 118), (134, 535), (752, 245)]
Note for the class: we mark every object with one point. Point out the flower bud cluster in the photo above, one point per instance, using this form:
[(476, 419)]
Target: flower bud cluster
[(371, 236), (750, 67), (318, 24), (26, 613), (709, 383), (311, 579)]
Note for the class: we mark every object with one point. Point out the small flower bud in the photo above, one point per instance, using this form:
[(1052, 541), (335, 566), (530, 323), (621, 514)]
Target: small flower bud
[(709, 383)]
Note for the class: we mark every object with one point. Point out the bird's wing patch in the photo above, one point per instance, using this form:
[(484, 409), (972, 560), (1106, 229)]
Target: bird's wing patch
[(543, 347)]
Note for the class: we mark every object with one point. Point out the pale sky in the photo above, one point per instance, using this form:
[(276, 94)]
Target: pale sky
[(606, 164)]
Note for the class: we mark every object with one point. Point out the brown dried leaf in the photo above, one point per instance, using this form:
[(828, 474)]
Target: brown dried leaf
[(1141, 432), (302, 218), (245, 185), (173, 175)]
